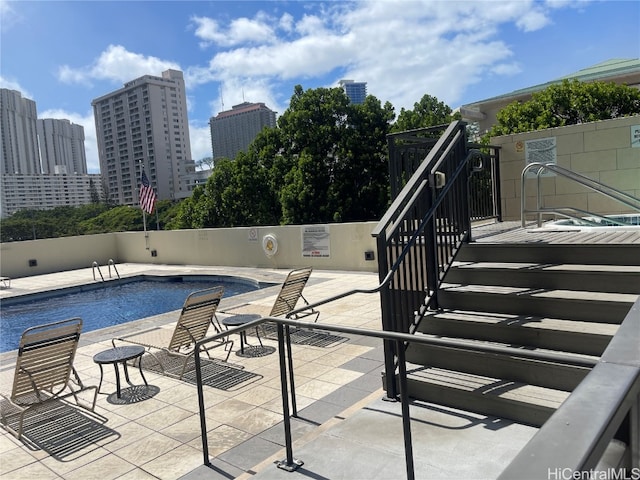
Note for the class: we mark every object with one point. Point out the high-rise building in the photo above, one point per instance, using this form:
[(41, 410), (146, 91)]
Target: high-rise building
[(53, 175), (356, 91), (18, 133), (61, 146), (144, 124), (232, 131)]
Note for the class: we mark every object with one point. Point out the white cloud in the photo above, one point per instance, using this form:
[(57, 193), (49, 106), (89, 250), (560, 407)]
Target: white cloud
[(401, 51), (116, 64), (240, 30), (9, 15), (14, 85), (200, 141)]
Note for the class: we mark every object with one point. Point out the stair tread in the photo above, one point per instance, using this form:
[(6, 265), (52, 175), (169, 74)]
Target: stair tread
[(532, 267), (527, 321), (540, 292), (515, 391), (503, 344)]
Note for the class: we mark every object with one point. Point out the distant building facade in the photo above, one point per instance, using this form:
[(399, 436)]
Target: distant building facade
[(356, 91), (144, 124), (232, 131), (44, 192), (43, 163), (18, 133), (61, 146)]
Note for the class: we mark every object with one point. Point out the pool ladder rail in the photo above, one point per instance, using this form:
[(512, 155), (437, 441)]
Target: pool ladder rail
[(95, 266)]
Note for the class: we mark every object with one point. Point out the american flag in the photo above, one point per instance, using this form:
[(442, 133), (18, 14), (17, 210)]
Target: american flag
[(147, 195)]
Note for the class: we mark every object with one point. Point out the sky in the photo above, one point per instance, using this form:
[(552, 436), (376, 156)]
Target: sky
[(64, 54)]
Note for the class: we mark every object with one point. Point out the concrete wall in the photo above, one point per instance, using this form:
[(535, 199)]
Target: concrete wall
[(242, 247), (56, 254), (599, 150)]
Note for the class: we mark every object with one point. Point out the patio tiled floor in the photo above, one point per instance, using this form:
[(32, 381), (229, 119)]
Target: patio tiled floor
[(159, 437)]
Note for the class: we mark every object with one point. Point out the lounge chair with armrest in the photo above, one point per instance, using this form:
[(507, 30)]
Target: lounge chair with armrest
[(44, 372), (178, 344), (286, 301)]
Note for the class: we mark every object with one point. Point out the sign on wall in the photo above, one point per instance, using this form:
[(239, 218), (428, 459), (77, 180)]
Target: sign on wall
[(315, 241), (541, 150), (635, 136)]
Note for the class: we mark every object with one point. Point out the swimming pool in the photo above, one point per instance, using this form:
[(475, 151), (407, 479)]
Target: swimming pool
[(625, 222), (112, 303)]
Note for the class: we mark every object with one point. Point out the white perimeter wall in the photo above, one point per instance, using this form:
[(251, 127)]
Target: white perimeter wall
[(242, 247)]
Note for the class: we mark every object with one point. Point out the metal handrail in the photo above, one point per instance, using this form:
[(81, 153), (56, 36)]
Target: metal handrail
[(109, 263), (605, 404), (95, 266), (622, 197), (400, 339)]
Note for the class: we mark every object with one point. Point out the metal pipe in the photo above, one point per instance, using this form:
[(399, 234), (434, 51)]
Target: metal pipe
[(294, 403), (201, 407), (406, 418)]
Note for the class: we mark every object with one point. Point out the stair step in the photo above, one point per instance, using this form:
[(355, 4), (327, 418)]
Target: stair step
[(526, 252), (602, 307), (543, 373), (541, 332), (484, 394), (599, 278)]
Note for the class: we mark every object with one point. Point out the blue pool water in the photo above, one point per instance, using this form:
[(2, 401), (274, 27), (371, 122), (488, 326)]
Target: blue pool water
[(111, 305)]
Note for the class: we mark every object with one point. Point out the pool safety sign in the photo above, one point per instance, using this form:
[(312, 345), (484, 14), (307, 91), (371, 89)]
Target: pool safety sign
[(541, 150), (315, 241), (635, 136)]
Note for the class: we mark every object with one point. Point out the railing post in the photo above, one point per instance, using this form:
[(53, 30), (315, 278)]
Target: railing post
[(294, 403), (387, 319), (201, 407), (634, 434), (289, 464), (431, 248), (406, 417)]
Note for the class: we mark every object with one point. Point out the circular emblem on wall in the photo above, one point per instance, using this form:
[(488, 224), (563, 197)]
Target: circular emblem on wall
[(270, 245)]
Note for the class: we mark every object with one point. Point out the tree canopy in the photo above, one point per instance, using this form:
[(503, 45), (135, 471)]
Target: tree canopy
[(567, 103), (324, 162), (428, 112), (82, 220)]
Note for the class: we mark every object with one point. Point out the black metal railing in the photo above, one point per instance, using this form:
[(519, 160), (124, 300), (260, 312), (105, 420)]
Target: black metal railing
[(409, 149), (604, 407), (419, 236), (287, 383), (484, 185)]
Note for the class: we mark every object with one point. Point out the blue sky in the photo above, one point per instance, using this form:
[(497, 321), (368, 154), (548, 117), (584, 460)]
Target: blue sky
[(63, 54)]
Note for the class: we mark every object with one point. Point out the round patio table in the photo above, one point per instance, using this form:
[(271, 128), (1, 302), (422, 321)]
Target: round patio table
[(117, 355), (242, 319)]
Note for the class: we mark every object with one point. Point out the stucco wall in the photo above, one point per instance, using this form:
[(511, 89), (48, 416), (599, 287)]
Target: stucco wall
[(599, 150), (243, 247)]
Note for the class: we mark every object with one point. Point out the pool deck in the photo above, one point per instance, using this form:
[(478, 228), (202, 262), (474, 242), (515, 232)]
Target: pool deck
[(344, 428)]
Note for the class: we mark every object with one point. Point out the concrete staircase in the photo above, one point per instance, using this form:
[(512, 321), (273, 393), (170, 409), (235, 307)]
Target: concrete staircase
[(562, 298)]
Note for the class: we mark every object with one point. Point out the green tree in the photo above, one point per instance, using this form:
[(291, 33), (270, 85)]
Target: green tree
[(118, 219), (567, 103), (336, 151), (428, 112)]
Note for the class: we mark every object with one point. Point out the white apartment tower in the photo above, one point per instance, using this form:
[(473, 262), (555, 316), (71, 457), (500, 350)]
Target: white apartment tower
[(144, 123), (43, 163), (19, 136), (61, 147), (232, 131)]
